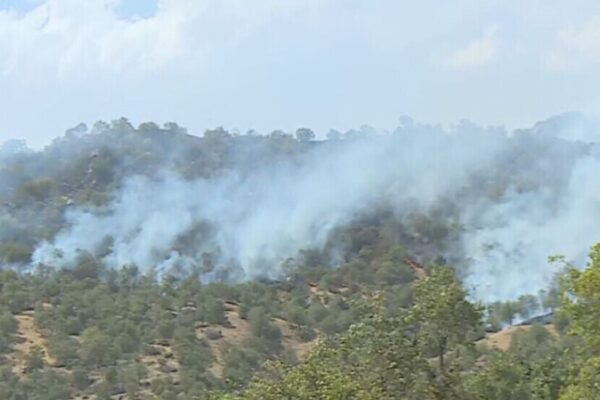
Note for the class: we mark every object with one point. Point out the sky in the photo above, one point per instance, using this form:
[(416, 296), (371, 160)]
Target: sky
[(273, 64)]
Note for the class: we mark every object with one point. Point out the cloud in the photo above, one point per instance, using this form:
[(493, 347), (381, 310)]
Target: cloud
[(479, 52), (66, 37), (576, 47), (62, 37), (271, 64)]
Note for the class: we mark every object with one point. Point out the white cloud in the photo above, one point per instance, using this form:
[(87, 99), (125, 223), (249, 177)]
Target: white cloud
[(479, 52), (63, 37), (66, 37), (576, 47), (270, 64)]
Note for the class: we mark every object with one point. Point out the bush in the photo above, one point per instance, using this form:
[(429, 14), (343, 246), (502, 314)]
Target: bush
[(262, 326)]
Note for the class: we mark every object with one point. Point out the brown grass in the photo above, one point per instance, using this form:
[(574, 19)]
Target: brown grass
[(501, 340), (291, 341), (240, 330), (232, 335), (28, 337)]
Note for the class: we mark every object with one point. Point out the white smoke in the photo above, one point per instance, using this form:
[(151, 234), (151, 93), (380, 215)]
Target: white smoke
[(259, 218), (264, 216), (510, 249)]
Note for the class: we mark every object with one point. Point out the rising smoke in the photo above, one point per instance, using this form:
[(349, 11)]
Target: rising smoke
[(519, 198)]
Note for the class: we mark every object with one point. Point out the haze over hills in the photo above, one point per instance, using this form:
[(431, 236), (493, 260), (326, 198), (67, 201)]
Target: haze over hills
[(149, 263), (425, 257), (245, 206)]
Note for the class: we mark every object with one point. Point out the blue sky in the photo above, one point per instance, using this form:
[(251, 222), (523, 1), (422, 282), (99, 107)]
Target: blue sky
[(271, 64)]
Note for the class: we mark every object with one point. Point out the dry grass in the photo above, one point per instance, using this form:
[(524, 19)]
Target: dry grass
[(501, 340), (163, 363), (291, 341), (28, 337), (240, 330), (235, 334)]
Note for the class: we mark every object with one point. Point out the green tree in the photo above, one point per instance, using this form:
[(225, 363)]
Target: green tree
[(442, 312), (581, 300), (34, 359), (504, 378), (581, 303), (262, 326), (304, 134), (96, 347)]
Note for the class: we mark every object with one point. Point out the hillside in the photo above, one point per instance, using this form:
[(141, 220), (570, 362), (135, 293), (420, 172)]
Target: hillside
[(148, 263)]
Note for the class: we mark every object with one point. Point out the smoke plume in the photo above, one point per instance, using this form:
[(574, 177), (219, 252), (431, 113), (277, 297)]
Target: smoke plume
[(516, 199)]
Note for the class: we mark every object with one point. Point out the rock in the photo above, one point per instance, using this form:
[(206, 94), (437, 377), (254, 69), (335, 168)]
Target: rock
[(213, 334)]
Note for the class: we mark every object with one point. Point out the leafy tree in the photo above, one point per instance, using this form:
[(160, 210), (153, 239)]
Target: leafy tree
[(304, 134), (442, 313), (262, 326), (581, 302), (96, 348), (80, 379), (12, 252), (8, 323), (34, 359), (585, 384), (334, 135), (214, 311), (528, 304), (63, 349), (504, 378)]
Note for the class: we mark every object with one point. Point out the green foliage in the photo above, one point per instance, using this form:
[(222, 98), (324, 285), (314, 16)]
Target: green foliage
[(381, 357), (214, 311), (262, 326), (96, 348), (581, 297), (380, 336), (12, 252), (504, 378), (442, 312), (34, 360)]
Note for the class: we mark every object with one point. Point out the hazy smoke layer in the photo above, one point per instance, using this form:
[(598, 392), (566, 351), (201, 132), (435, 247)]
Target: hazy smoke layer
[(514, 237), (519, 199)]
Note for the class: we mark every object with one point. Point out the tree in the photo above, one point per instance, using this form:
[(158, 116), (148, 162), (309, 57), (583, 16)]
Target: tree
[(121, 125), (63, 349), (34, 359), (442, 313), (504, 378), (374, 359), (214, 311), (334, 135), (96, 347), (148, 127), (80, 379), (528, 304), (585, 384), (580, 293), (173, 127), (581, 300), (304, 135), (8, 323), (100, 127), (262, 326), (78, 130), (15, 252), (39, 189), (504, 312)]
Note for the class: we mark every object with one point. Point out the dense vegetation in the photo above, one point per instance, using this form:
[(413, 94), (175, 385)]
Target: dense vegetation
[(391, 358), (122, 332), (357, 318)]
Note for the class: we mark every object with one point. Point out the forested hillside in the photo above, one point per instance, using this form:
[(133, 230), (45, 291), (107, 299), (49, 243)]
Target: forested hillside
[(149, 263)]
